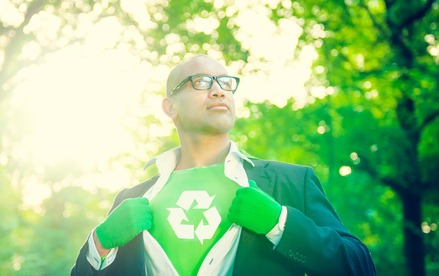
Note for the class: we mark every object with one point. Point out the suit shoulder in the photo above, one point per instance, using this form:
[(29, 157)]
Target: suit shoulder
[(139, 189), (280, 165)]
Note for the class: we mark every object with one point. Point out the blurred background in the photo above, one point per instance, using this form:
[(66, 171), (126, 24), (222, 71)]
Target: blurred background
[(349, 87)]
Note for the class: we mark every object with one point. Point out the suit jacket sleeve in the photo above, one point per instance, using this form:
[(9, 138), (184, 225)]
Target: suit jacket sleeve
[(82, 266), (129, 259), (315, 238)]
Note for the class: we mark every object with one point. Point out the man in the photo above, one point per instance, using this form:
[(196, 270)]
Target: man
[(212, 210)]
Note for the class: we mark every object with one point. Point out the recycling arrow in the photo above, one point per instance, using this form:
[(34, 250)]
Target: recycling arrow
[(201, 197), (205, 232), (175, 218), (186, 231)]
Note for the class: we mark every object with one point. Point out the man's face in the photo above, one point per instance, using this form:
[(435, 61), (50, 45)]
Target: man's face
[(202, 112)]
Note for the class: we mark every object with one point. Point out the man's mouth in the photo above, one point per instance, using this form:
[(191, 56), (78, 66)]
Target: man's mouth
[(218, 106)]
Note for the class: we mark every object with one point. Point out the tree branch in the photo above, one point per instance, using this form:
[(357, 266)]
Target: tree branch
[(388, 4), (14, 47), (4, 29), (367, 167), (33, 8), (430, 118), (416, 15), (377, 25), (393, 185)]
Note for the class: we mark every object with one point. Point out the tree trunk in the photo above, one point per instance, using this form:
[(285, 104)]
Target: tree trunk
[(413, 236)]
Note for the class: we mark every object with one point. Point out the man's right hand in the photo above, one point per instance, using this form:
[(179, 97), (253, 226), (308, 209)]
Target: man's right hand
[(125, 222)]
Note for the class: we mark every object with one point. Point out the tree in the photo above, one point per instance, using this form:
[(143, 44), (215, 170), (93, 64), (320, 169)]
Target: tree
[(303, 136), (30, 31), (385, 53), (54, 236), (372, 104), (11, 219)]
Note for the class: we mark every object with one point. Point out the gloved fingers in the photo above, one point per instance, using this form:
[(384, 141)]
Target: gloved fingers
[(126, 221), (252, 183), (139, 216), (250, 195), (240, 209), (134, 203)]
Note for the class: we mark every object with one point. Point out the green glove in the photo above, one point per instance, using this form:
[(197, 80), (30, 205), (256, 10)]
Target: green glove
[(125, 222), (254, 209)]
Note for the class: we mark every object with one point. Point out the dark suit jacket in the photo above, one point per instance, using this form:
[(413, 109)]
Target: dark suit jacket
[(314, 240)]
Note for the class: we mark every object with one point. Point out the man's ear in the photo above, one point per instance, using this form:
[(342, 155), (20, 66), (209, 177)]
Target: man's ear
[(168, 106)]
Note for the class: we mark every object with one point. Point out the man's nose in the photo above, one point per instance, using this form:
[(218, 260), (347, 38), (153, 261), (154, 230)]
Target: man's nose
[(216, 90)]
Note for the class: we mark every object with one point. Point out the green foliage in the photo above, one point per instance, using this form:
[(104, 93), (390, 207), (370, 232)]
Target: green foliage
[(52, 241), (11, 219), (372, 139), (311, 136), (377, 56), (172, 21)]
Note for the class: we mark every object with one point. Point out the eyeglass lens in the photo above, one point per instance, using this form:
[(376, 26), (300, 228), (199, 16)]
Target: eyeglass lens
[(205, 82)]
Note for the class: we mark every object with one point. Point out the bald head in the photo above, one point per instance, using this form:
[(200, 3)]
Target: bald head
[(199, 64)]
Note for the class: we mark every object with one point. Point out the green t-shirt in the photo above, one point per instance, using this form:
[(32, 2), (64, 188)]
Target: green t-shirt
[(190, 215)]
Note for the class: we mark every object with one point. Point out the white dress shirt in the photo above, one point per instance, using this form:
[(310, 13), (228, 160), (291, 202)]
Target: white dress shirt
[(220, 259)]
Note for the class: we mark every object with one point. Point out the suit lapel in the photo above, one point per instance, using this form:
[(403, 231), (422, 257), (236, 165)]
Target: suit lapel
[(262, 174), (265, 178), (249, 242)]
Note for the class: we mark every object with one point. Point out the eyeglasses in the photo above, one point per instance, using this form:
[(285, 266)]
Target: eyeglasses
[(205, 82)]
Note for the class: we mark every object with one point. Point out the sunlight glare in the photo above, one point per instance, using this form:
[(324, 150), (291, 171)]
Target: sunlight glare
[(281, 76), (77, 104), (77, 101)]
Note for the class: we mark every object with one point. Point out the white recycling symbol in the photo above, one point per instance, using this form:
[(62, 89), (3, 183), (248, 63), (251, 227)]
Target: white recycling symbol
[(187, 231)]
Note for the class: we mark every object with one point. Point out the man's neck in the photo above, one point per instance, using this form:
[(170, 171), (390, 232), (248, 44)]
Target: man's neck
[(203, 151)]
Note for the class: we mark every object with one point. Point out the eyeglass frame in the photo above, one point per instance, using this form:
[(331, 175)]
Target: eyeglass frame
[(183, 82)]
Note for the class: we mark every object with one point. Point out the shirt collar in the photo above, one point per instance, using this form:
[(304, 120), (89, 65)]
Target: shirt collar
[(168, 160)]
